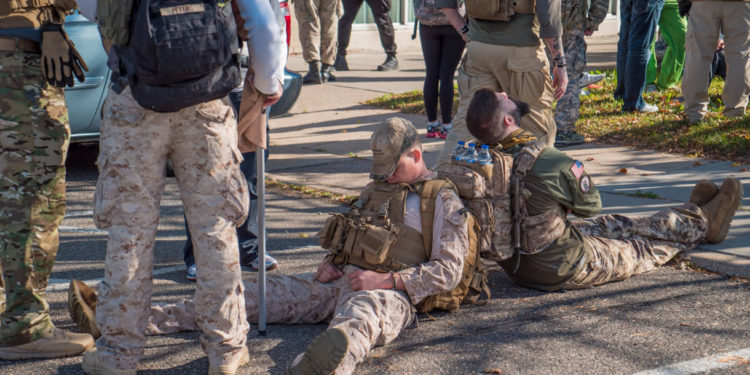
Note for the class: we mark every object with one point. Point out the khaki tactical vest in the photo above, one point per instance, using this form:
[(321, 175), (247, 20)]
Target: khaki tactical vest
[(373, 236), (37, 12), (497, 198), (498, 10)]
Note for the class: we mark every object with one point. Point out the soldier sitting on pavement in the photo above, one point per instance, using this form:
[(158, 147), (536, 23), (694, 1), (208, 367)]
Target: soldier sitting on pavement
[(553, 253), (406, 245)]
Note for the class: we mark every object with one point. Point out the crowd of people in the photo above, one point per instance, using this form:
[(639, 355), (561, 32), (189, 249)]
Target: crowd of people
[(408, 244)]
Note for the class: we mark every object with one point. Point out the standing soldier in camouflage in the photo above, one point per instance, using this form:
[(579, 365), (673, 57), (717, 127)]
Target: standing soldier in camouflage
[(579, 19), (364, 308), (318, 23), (36, 60), (553, 253)]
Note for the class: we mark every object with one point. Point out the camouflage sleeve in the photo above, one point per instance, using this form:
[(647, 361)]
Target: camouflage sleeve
[(597, 11), (450, 243)]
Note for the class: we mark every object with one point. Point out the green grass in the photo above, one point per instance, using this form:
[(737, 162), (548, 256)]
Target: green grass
[(601, 120)]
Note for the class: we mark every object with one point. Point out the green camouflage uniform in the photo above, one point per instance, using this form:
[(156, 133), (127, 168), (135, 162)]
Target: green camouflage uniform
[(599, 250), (575, 22), (34, 137)]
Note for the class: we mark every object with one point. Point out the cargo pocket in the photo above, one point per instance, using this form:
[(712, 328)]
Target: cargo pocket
[(375, 243), (123, 109), (330, 235), (104, 196), (527, 79), (237, 199)]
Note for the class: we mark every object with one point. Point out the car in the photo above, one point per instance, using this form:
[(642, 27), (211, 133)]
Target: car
[(85, 99)]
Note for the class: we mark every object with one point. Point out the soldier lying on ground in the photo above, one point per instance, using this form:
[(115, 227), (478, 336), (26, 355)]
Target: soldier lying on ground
[(384, 232), (554, 253)]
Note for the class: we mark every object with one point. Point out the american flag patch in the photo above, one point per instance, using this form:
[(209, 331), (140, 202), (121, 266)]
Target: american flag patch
[(577, 169)]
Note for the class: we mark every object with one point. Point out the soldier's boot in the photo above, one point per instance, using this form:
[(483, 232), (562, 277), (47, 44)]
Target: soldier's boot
[(323, 355), (703, 192), (325, 73), (313, 74), (340, 64), (59, 344), (231, 368), (82, 307), (720, 210), (92, 364), (390, 63)]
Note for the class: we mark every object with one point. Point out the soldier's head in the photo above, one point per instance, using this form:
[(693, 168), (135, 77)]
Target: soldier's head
[(397, 152), (492, 115)]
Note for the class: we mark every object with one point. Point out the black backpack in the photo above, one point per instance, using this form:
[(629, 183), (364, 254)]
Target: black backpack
[(180, 53)]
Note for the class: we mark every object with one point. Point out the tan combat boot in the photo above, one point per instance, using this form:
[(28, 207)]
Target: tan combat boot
[(92, 364), (720, 210), (703, 192), (323, 355), (59, 344), (82, 307), (230, 369)]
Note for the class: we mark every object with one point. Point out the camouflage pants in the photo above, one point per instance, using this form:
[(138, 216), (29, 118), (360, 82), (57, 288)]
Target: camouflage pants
[(318, 22), (135, 143), (34, 137), (566, 111), (623, 247), (369, 318)]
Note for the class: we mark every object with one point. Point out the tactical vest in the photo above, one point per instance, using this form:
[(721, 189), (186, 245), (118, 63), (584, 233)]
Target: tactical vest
[(497, 197), (373, 236), (498, 10)]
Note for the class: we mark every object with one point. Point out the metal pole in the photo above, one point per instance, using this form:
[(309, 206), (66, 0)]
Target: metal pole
[(260, 162)]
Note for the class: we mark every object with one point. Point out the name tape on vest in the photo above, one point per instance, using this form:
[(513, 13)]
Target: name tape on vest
[(181, 9)]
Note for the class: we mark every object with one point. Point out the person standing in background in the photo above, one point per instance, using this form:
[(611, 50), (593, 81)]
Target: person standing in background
[(443, 38), (318, 20), (673, 28), (380, 9), (579, 19), (638, 19), (37, 59)]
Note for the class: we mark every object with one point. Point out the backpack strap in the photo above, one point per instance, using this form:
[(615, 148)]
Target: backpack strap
[(428, 192), (522, 164)]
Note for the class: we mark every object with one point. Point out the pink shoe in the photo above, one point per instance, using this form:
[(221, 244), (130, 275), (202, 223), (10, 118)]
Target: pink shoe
[(433, 131)]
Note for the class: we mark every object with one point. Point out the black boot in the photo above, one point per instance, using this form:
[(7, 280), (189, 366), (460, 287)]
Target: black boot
[(390, 63), (325, 73), (340, 63), (313, 74)]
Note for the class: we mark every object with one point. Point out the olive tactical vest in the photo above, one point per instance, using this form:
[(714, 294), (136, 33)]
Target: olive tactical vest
[(498, 10), (373, 236)]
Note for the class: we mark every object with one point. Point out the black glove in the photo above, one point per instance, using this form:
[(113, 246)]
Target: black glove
[(60, 59), (684, 7)]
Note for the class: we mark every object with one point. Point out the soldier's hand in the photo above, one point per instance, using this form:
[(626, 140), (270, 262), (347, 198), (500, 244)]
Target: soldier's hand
[(327, 272), (370, 280), (559, 81), (269, 100), (60, 59)]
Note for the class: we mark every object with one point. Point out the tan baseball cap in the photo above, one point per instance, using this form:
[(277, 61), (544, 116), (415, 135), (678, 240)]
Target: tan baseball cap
[(389, 141)]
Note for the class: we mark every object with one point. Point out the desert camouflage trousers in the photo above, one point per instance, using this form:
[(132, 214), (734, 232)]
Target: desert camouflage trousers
[(566, 111), (135, 143), (318, 23), (370, 318), (623, 246), (521, 72), (34, 137)]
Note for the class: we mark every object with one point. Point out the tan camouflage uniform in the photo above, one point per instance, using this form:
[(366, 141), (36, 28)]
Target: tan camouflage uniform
[(575, 21), (318, 21), (34, 137), (370, 318), (623, 247), (201, 142)]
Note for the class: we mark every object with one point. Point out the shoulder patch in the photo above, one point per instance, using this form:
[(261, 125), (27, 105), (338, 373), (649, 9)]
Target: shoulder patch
[(577, 169), (585, 184)]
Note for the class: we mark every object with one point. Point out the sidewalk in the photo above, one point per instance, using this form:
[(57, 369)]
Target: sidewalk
[(324, 143)]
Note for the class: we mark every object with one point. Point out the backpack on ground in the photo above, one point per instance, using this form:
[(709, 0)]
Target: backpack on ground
[(176, 53)]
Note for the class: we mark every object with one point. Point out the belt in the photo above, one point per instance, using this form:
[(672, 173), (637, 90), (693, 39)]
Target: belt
[(9, 44)]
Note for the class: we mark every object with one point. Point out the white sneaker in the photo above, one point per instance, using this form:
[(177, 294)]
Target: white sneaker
[(649, 108), (588, 78)]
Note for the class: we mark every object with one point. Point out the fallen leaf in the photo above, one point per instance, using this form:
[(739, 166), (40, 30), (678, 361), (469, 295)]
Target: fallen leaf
[(589, 159), (304, 235), (623, 171), (686, 325), (736, 359), (743, 170), (344, 130), (697, 164), (493, 371), (642, 334), (736, 164)]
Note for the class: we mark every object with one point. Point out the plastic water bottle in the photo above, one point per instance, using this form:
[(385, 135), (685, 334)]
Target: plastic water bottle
[(484, 157), (470, 155), (458, 151)]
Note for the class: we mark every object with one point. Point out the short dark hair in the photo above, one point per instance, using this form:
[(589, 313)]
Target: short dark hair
[(481, 115)]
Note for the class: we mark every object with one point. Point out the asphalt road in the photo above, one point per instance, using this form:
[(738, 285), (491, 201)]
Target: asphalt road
[(668, 317)]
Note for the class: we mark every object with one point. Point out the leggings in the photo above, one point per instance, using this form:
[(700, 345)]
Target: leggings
[(442, 47)]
